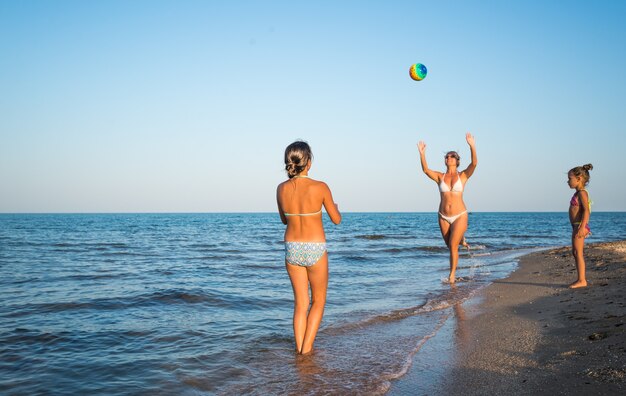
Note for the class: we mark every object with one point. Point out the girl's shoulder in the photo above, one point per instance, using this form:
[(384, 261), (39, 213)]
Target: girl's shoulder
[(318, 184), (282, 185), (310, 182)]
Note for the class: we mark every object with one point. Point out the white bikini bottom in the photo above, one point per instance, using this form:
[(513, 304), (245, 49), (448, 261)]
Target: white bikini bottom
[(452, 219)]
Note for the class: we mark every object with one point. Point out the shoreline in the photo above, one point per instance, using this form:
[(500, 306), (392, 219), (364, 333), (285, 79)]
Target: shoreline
[(530, 334)]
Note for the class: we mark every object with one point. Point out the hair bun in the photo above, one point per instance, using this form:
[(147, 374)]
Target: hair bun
[(588, 167), (294, 159), (297, 156)]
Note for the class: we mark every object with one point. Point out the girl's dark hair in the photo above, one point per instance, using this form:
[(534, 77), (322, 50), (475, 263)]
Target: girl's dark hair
[(582, 171), (297, 156)]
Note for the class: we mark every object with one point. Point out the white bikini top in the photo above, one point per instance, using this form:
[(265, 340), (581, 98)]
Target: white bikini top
[(457, 187)]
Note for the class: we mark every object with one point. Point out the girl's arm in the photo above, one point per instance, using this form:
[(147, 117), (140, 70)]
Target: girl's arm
[(331, 207), (283, 218), (421, 146), (583, 199), (472, 166)]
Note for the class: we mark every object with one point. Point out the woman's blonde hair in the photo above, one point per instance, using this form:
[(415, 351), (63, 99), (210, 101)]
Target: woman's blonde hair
[(582, 171), (297, 157)]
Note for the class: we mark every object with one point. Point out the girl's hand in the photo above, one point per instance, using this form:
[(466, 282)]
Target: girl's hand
[(470, 139), (582, 232), (421, 146)]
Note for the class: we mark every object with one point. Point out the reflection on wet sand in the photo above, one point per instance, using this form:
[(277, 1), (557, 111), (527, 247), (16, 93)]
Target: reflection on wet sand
[(310, 371), (461, 331)]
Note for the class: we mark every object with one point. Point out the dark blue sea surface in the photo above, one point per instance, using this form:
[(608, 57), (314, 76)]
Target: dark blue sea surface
[(188, 304)]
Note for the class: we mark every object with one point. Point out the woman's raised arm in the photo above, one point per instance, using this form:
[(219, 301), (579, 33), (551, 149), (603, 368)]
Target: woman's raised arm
[(421, 146), (474, 161)]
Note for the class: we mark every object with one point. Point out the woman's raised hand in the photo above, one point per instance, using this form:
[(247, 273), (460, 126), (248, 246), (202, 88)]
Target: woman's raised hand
[(470, 139), (421, 146)]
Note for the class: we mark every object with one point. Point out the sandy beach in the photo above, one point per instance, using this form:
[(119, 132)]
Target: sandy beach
[(531, 334)]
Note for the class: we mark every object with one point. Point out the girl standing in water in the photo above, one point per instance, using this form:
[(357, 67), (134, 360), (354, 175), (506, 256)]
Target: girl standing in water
[(579, 211), (452, 210), (300, 200)]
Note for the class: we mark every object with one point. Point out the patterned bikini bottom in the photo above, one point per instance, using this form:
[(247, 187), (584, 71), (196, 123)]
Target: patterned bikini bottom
[(304, 254)]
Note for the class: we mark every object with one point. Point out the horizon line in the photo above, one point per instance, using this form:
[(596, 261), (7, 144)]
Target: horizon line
[(275, 212)]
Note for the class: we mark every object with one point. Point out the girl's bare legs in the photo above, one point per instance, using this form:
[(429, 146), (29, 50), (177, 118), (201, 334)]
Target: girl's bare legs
[(578, 245), (318, 279), (305, 325), (453, 235), (300, 285)]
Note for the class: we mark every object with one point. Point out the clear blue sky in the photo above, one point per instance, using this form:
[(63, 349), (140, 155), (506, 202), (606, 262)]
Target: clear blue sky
[(187, 106)]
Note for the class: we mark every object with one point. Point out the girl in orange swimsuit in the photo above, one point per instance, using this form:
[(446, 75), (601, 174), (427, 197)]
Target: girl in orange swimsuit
[(452, 211), (579, 212), (300, 200)]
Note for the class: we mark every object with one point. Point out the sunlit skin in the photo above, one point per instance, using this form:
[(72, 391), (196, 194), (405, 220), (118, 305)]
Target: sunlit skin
[(303, 195), (451, 201), (579, 214)]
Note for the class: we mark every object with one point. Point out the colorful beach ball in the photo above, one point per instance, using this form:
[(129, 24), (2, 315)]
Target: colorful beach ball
[(418, 72)]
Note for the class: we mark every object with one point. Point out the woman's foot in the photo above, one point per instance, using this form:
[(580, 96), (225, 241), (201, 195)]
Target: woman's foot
[(578, 284)]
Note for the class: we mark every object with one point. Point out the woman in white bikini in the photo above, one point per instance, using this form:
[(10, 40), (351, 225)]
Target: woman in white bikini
[(300, 200), (452, 211)]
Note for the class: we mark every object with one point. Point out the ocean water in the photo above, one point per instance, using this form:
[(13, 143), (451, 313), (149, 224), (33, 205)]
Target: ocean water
[(194, 304)]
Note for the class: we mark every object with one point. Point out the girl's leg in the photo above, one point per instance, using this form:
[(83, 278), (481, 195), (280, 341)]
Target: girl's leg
[(318, 278), (300, 285), (578, 245), (457, 230)]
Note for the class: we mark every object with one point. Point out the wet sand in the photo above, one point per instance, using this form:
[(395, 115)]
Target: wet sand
[(531, 334)]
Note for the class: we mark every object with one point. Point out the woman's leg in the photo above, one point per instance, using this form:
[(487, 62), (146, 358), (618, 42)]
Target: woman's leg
[(300, 285), (578, 245), (457, 230), (444, 226), (318, 278)]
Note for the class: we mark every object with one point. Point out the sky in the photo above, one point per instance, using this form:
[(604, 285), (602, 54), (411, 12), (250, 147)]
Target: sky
[(187, 106)]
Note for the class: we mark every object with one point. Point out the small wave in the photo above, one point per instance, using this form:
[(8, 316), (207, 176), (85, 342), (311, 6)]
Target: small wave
[(524, 236), (87, 245), (64, 244), (373, 237), (476, 247), (272, 338), (434, 249), (460, 279), (472, 254), (112, 245), (213, 257), (27, 336), (443, 301), (96, 276), (257, 266), (409, 359), (167, 297), (202, 246), (356, 258), (176, 297), (124, 254)]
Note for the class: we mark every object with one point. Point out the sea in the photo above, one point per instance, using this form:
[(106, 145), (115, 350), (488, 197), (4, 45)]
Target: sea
[(201, 304)]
